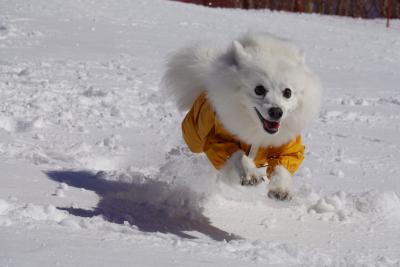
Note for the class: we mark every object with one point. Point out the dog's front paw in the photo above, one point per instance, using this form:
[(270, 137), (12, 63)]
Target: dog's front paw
[(280, 184), (279, 195), (251, 176), (252, 180)]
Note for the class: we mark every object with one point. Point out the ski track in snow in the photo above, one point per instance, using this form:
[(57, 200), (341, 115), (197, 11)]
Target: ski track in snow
[(93, 159)]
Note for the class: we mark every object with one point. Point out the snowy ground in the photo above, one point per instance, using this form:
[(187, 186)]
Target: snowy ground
[(94, 171)]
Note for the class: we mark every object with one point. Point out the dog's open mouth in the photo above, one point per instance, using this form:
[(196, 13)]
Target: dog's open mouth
[(271, 127)]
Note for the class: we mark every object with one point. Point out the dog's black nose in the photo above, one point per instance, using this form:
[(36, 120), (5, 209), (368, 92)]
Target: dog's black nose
[(275, 113)]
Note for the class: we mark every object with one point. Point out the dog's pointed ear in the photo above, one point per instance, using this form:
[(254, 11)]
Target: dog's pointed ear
[(238, 54)]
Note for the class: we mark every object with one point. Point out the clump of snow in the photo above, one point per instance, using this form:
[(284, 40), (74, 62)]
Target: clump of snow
[(335, 205), (39, 213), (4, 209), (4, 206), (371, 203), (306, 194), (99, 162), (63, 186), (7, 124), (14, 211), (385, 204), (72, 223), (59, 192)]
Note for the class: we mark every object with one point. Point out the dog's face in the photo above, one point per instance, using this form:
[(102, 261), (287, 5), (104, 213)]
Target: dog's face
[(270, 93), (264, 93)]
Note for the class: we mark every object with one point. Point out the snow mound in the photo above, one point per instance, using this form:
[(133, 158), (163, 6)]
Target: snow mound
[(7, 124), (16, 212), (342, 206), (379, 203), (4, 206), (334, 205)]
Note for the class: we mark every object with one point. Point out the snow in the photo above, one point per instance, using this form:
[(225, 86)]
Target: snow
[(94, 171)]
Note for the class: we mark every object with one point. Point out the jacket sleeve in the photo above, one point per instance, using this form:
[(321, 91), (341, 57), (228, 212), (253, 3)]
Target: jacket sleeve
[(198, 129), (290, 156), (219, 151), (197, 124)]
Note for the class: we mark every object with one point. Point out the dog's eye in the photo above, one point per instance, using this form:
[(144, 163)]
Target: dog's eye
[(287, 93), (260, 90)]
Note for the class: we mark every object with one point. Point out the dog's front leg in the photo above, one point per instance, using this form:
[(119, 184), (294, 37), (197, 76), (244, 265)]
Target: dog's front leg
[(245, 169), (280, 184)]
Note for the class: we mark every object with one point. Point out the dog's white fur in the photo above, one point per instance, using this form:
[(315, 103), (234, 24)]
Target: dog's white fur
[(229, 75)]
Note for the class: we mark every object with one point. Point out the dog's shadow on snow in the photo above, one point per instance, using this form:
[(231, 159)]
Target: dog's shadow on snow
[(150, 205)]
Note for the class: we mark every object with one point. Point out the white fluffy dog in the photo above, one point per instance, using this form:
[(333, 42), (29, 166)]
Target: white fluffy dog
[(248, 105)]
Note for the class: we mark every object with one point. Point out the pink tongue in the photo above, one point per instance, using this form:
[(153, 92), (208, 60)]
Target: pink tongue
[(271, 124)]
